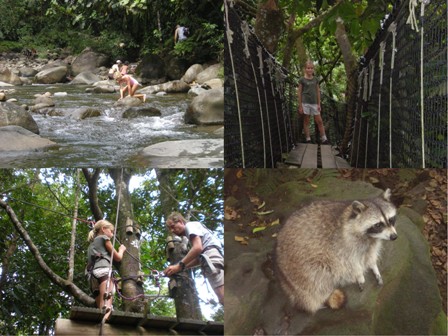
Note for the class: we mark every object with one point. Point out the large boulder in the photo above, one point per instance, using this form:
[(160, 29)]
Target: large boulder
[(201, 153), (88, 60), (16, 138), (207, 108), (84, 113), (7, 76), (176, 86), (134, 112), (151, 69), (85, 77), (52, 75), (192, 72), (12, 114), (175, 68), (26, 71), (209, 73), (128, 101)]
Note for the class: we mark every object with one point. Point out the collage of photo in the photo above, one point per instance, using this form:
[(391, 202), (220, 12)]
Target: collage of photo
[(152, 150)]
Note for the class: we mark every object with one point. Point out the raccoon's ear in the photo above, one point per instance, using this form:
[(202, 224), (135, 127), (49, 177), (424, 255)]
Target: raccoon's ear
[(386, 195), (357, 208)]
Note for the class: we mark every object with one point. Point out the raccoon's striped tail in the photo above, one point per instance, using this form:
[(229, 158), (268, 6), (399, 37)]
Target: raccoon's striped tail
[(336, 300)]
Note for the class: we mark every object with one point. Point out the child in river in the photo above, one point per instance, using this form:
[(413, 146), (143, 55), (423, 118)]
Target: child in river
[(130, 84)]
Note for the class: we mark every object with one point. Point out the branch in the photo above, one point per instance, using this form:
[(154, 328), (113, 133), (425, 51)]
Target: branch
[(92, 182), (66, 285)]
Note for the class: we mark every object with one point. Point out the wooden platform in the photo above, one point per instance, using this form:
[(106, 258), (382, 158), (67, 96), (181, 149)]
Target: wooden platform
[(315, 156), (86, 321)]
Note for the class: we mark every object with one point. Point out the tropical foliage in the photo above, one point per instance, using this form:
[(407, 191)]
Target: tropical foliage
[(43, 201), (124, 28)]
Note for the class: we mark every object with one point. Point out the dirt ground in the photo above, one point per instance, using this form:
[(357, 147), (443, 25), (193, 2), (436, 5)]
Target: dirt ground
[(426, 191)]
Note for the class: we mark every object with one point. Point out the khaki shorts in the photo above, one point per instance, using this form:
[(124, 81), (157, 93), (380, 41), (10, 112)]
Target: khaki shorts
[(215, 279), (310, 109)]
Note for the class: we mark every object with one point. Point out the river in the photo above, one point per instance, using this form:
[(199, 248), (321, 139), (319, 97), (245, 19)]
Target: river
[(105, 141)]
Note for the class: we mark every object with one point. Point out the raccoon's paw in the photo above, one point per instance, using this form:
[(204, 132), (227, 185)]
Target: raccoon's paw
[(379, 280), (361, 286)]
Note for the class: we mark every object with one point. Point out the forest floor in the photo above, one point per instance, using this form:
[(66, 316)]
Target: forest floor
[(426, 191)]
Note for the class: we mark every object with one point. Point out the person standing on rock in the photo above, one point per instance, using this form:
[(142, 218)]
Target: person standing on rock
[(130, 84), (180, 34), (115, 69)]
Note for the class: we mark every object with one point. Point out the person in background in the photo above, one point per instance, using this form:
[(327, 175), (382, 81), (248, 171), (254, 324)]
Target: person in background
[(205, 251), (130, 84), (99, 256), (124, 68), (179, 34), (115, 68)]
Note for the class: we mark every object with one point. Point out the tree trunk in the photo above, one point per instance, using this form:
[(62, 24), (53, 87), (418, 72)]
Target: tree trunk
[(128, 234), (351, 70), (269, 24), (92, 182), (185, 296), (71, 262)]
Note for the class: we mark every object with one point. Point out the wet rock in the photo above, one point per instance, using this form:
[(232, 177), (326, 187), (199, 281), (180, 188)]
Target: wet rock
[(134, 112), (209, 73), (103, 89), (215, 83), (85, 77), (2, 97), (12, 114), (207, 108), (52, 75), (88, 60), (84, 113), (176, 86), (129, 101), (151, 67), (16, 138), (192, 72), (27, 71), (203, 153), (6, 75)]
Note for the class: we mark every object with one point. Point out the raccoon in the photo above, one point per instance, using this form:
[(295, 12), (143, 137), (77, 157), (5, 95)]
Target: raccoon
[(329, 244)]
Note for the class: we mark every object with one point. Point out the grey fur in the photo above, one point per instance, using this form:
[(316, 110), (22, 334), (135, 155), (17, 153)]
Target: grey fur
[(325, 245)]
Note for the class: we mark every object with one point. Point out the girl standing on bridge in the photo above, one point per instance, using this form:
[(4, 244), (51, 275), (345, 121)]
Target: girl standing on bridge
[(309, 102)]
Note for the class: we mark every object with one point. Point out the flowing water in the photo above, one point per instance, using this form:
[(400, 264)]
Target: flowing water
[(105, 141)]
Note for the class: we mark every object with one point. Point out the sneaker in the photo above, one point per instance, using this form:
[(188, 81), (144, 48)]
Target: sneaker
[(326, 142), (308, 141)]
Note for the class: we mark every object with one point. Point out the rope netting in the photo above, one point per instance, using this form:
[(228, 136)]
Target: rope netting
[(401, 115), (258, 95)]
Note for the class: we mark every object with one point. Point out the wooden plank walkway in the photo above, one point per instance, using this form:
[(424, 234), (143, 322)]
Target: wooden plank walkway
[(315, 156), (85, 321)]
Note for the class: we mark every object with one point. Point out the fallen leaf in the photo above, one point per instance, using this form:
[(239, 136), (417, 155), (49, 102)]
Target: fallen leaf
[(239, 239), (276, 222), (263, 213), (239, 173), (261, 205), (258, 229)]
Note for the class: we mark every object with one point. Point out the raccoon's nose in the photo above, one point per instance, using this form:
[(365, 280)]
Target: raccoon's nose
[(393, 236)]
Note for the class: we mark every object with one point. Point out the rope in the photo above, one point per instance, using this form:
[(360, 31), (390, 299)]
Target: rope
[(393, 29), (422, 101), (115, 235), (381, 65), (229, 34), (246, 31), (260, 58)]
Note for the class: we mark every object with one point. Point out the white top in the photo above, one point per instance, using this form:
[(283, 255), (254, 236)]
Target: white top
[(197, 229)]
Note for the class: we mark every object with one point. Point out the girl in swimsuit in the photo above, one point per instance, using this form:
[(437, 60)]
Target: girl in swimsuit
[(130, 84)]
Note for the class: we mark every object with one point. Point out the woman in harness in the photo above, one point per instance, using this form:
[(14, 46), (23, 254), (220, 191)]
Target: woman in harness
[(205, 251), (99, 256)]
